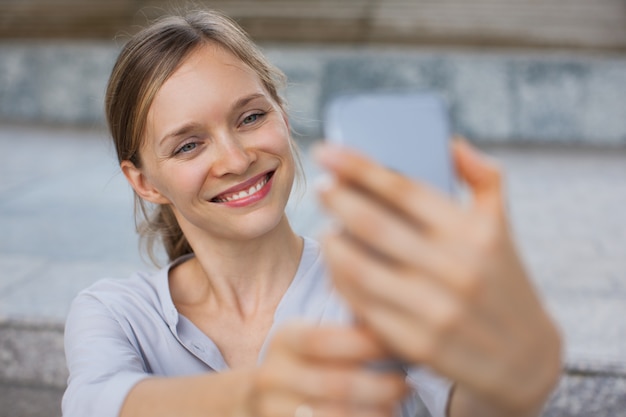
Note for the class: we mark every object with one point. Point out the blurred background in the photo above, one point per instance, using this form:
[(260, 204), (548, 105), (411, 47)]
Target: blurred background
[(539, 85), (543, 70)]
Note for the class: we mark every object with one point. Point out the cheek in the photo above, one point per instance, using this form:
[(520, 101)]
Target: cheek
[(182, 180), (287, 153), (278, 141)]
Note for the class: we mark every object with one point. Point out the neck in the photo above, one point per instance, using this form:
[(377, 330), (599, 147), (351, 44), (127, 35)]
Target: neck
[(247, 276)]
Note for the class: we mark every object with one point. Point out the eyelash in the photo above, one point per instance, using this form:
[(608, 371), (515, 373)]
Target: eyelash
[(257, 116), (181, 150)]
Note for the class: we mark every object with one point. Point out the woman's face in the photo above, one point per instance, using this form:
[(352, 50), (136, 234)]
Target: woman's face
[(217, 148)]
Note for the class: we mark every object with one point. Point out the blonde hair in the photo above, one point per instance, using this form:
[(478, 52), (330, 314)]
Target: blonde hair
[(146, 61)]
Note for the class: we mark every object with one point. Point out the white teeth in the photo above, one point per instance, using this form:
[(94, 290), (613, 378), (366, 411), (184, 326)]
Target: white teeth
[(244, 193)]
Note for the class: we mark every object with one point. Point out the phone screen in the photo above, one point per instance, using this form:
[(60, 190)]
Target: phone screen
[(407, 132)]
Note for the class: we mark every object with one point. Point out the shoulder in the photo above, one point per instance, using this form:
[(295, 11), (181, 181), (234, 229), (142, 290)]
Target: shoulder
[(111, 291), (125, 300)]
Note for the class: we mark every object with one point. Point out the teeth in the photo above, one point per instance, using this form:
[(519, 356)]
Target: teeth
[(244, 193)]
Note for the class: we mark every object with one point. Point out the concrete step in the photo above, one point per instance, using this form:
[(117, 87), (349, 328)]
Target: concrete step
[(29, 401), (32, 382), (32, 367)]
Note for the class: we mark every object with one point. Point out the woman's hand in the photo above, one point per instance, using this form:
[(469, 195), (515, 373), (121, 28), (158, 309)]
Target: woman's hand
[(440, 283), (321, 371), (308, 371)]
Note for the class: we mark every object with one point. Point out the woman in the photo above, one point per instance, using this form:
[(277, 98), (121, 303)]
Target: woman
[(202, 136)]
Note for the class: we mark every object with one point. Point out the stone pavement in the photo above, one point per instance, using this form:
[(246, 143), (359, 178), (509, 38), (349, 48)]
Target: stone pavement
[(66, 220)]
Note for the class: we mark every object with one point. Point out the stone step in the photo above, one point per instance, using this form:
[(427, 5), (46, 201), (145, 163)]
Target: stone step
[(31, 353), (32, 379), (29, 401)]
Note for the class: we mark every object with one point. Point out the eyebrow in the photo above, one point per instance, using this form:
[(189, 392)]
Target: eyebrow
[(189, 127), (247, 99), (183, 130)]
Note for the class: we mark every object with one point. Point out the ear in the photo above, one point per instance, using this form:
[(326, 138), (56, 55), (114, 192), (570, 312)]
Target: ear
[(141, 184)]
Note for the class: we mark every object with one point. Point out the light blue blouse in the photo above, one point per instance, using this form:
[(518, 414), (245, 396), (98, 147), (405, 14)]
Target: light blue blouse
[(119, 332)]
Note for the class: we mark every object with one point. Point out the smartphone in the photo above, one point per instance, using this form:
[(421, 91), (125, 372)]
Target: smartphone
[(407, 132)]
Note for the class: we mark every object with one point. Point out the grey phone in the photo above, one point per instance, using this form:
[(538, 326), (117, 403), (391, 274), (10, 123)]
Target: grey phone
[(407, 132)]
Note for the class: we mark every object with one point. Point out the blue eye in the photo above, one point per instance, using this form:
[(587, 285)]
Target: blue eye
[(188, 147), (252, 118)]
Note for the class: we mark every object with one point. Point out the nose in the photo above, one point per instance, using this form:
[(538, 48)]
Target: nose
[(231, 156)]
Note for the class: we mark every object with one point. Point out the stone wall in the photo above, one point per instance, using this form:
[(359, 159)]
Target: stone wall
[(493, 96), (544, 71)]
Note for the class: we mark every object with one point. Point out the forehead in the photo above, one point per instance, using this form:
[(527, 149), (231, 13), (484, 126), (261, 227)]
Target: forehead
[(203, 88), (210, 68)]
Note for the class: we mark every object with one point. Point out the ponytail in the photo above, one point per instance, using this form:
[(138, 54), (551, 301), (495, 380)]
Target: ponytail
[(159, 225)]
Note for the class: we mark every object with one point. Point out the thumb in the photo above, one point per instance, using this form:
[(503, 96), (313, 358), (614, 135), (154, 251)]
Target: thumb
[(329, 342), (480, 173)]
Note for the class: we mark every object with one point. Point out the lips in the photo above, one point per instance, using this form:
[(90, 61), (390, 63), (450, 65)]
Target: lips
[(246, 190)]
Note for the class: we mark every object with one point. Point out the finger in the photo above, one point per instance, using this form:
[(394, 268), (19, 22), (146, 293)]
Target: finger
[(356, 386), (449, 263), (280, 404), (288, 405), (327, 343), (455, 347), (483, 175), (420, 291), (418, 201), (382, 230), (360, 281), (458, 342), (342, 410), (318, 384), (369, 287), (369, 280)]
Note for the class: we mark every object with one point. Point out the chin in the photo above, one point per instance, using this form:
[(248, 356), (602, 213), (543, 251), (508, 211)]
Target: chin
[(253, 225)]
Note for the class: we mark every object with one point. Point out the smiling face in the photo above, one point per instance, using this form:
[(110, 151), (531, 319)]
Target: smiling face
[(217, 149)]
